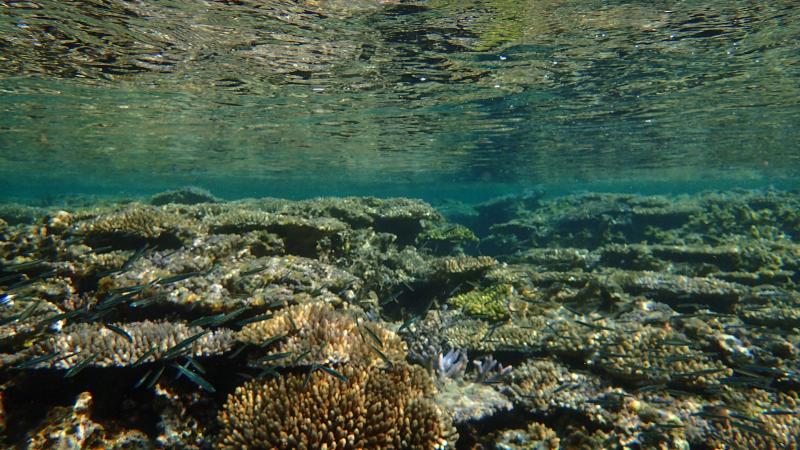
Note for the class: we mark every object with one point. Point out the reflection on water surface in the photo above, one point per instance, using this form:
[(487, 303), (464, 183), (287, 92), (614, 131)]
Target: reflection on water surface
[(409, 92)]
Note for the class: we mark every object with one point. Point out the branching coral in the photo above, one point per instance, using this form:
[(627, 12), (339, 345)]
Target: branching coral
[(372, 409)]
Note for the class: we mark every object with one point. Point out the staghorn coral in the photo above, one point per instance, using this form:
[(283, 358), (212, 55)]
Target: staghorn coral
[(80, 341), (372, 409), (331, 335)]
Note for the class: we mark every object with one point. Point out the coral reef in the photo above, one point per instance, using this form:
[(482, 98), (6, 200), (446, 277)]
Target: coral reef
[(189, 195), (490, 303), (316, 333), (367, 409), (580, 321), (74, 428), (130, 343)]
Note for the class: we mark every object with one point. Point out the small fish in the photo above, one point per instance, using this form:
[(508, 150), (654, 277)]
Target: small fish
[(206, 320), (310, 373), (25, 283), (650, 388), (593, 326), (676, 342), (382, 356), (61, 316), (711, 416), (114, 300), (763, 369), (679, 358), (564, 387), (130, 289), (196, 365), (119, 331), (741, 416), (254, 319), (269, 370), (754, 430), (781, 412), (21, 266), (80, 366), (229, 316), (411, 320), (155, 377), (238, 351), (273, 357), (178, 348), (670, 426), (454, 290), (294, 325), (247, 273), (36, 361), (12, 277), (697, 373), (28, 311), (299, 357), (194, 377), (271, 340), (372, 335), (745, 381), (145, 301), (176, 278), (145, 355), (97, 250), (390, 299), (491, 331), (333, 373), (142, 379), (134, 257)]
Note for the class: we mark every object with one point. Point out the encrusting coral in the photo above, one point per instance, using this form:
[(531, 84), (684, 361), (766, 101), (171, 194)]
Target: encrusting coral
[(372, 408)]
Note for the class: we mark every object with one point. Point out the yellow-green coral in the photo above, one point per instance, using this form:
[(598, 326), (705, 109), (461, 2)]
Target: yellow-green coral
[(451, 233), (490, 303)]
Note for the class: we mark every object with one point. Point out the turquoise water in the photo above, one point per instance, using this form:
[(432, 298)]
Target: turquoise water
[(388, 224), (303, 99)]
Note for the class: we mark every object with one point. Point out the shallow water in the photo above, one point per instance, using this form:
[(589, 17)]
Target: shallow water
[(259, 97), (393, 224)]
